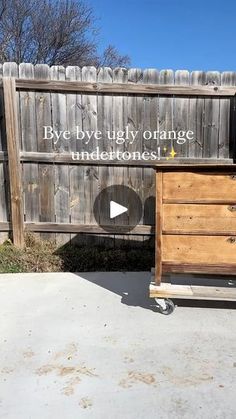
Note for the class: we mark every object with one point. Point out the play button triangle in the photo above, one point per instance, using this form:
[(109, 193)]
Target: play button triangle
[(116, 209)]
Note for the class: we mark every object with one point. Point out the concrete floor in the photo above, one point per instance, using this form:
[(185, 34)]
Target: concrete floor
[(91, 345)]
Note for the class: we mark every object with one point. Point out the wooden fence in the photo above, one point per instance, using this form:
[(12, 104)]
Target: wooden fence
[(43, 190)]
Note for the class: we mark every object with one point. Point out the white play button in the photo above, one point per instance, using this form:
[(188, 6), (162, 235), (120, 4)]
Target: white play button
[(116, 209)]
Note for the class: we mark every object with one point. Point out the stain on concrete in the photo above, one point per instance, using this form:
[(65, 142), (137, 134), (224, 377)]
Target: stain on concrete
[(72, 373), (63, 370), (110, 339), (7, 370), (70, 351), (28, 354), (134, 377), (128, 360), (187, 379), (85, 402), (45, 369)]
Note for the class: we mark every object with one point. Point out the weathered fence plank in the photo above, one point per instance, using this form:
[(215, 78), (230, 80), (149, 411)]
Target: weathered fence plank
[(212, 111), (196, 117), (181, 113), (59, 190), (29, 143), (61, 180), (227, 79), (12, 132), (121, 88)]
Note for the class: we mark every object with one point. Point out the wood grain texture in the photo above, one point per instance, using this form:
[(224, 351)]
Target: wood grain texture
[(181, 114), (105, 99), (212, 113), (7, 70), (104, 121), (159, 221), (61, 173), (12, 132), (168, 290), (82, 228), (199, 268), (227, 79), (67, 158), (43, 104), (196, 117), (199, 219), (199, 187), (151, 89), (29, 143), (199, 249)]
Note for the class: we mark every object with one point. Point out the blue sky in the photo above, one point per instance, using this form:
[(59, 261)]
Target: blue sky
[(176, 34)]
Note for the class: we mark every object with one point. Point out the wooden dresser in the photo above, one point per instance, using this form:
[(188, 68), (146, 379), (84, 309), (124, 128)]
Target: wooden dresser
[(195, 220)]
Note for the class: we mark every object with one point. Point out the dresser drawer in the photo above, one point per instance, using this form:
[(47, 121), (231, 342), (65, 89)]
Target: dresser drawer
[(199, 187), (199, 249), (199, 218)]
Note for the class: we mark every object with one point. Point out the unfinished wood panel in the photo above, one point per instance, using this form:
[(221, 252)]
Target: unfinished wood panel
[(212, 112), (193, 292), (59, 120), (199, 268), (192, 218), (181, 114), (199, 249), (159, 221), (12, 132), (199, 187)]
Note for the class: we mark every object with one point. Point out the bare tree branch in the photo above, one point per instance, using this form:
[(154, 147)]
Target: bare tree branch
[(53, 32)]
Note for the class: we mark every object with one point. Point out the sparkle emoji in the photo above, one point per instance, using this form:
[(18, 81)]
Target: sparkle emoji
[(172, 154)]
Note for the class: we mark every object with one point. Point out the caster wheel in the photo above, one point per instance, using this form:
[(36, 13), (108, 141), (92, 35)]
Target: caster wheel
[(165, 306)]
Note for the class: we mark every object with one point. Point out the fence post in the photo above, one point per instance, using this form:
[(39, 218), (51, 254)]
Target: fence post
[(12, 134)]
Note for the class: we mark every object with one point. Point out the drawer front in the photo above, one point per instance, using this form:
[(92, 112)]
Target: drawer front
[(199, 249), (199, 218), (199, 187)]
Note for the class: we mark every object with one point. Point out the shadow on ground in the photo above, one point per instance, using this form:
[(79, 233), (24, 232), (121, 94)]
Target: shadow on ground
[(134, 289)]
